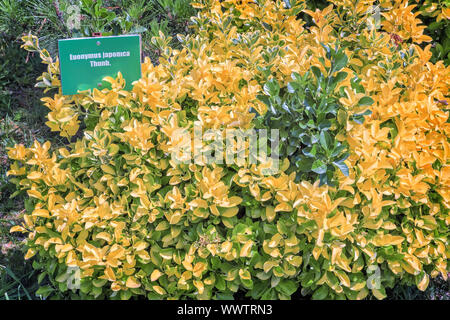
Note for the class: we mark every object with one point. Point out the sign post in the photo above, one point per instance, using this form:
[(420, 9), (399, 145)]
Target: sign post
[(84, 62)]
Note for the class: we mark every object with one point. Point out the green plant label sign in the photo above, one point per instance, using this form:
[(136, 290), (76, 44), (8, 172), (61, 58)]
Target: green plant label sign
[(84, 62)]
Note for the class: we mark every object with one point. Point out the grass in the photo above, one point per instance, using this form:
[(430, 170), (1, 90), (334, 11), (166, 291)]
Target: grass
[(12, 286)]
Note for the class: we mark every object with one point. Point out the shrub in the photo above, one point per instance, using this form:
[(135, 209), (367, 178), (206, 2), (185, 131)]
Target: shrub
[(136, 222), (310, 117)]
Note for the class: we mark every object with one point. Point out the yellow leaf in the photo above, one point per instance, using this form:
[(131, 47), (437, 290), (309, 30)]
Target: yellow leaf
[(244, 274), (155, 275), (358, 286), (109, 273), (132, 283), (343, 277), (35, 194), (378, 294), (140, 245), (104, 236), (246, 248), (362, 294), (233, 201), (387, 240), (270, 214), (63, 248), (230, 212), (283, 207), (40, 213), (108, 169), (198, 269), (296, 261), (159, 290), (266, 196), (17, 229), (143, 255), (199, 285), (201, 213), (316, 252), (175, 217), (31, 252), (268, 265), (226, 246), (423, 284), (34, 175), (228, 223), (285, 164)]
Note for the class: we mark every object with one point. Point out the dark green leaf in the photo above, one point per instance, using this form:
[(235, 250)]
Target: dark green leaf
[(321, 293), (325, 140)]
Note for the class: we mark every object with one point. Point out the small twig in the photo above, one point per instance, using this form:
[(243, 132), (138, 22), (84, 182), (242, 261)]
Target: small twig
[(42, 25)]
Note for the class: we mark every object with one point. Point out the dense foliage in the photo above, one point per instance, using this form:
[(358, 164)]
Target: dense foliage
[(21, 111), (349, 96)]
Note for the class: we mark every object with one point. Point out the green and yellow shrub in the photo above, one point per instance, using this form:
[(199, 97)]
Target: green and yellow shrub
[(114, 204)]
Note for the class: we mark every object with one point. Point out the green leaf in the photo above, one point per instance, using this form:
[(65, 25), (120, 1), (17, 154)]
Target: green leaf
[(258, 289), (319, 167), (63, 276), (304, 164), (310, 151), (44, 291), (248, 283), (338, 78), (224, 296), (41, 277), (295, 76), (321, 293), (125, 295), (271, 88), (325, 140), (342, 117), (365, 101), (339, 62), (317, 72), (269, 295), (287, 287), (307, 279)]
